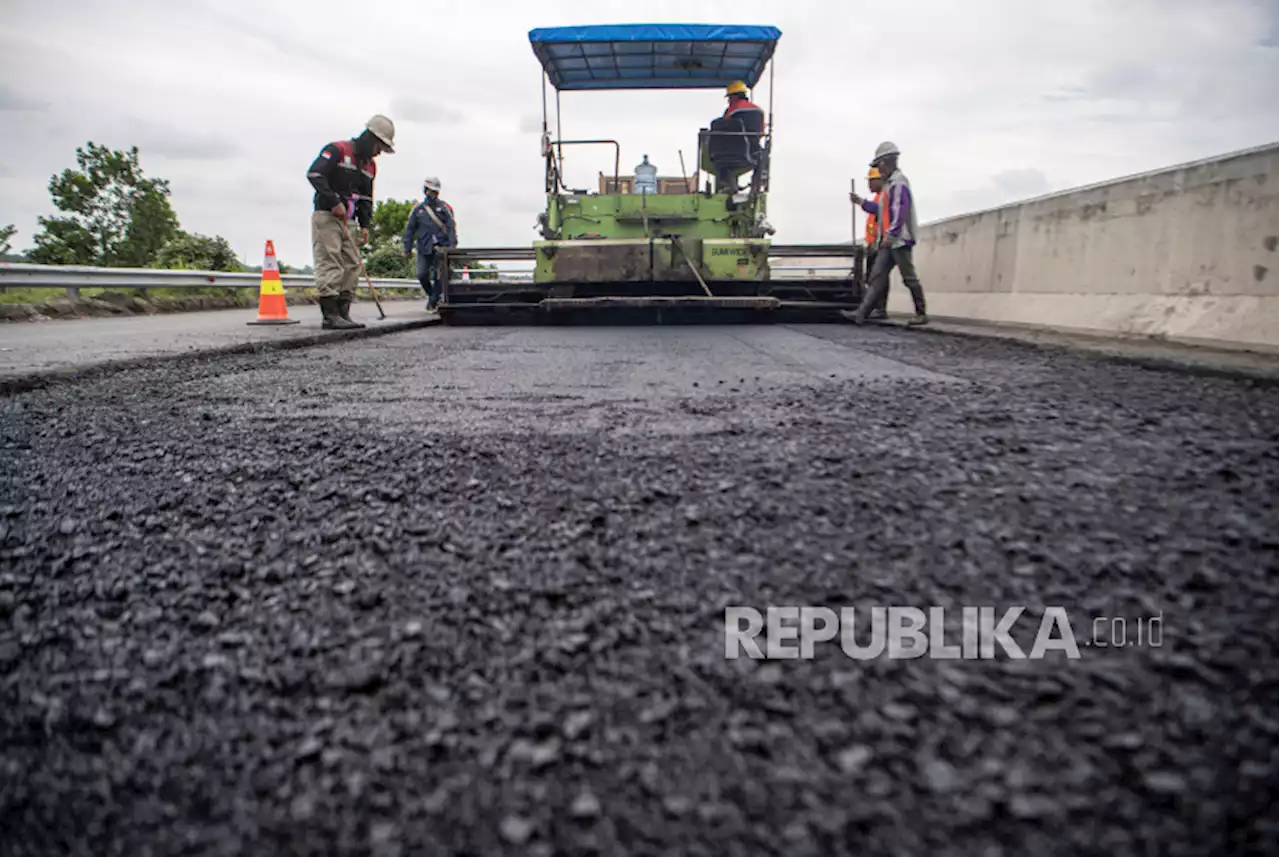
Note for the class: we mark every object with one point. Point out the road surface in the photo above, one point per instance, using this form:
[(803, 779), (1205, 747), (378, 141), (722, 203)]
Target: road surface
[(53, 346), (462, 591)]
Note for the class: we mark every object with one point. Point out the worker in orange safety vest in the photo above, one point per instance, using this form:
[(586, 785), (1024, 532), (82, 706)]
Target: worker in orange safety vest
[(877, 221)]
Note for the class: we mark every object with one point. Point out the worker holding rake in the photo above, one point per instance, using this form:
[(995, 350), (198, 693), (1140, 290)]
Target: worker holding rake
[(343, 175)]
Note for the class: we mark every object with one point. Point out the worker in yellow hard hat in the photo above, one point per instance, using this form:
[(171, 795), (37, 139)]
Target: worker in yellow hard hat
[(738, 96), (877, 218), (738, 144)]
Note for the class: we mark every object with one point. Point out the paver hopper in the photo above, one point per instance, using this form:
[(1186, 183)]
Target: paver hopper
[(699, 247)]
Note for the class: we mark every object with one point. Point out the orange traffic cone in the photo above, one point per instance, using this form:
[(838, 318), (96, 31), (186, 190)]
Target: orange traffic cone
[(466, 274), (272, 308)]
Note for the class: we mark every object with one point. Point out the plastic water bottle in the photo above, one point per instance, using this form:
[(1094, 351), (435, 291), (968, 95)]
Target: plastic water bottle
[(646, 177)]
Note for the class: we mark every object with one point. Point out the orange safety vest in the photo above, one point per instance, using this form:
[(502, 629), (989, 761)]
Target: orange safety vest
[(744, 104), (880, 199)]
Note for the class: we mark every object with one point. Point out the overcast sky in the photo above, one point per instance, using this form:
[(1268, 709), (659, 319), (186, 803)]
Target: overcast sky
[(990, 102)]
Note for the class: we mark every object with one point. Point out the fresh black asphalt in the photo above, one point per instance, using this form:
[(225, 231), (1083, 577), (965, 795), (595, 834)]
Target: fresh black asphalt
[(462, 591)]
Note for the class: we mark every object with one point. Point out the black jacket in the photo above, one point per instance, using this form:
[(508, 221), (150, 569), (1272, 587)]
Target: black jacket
[(341, 174), (423, 231)]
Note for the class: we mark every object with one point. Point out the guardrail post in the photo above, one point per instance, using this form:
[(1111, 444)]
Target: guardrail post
[(73, 292)]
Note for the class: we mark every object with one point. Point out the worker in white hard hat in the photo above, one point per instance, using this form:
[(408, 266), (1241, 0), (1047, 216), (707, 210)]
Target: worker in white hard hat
[(343, 175), (431, 224), (896, 240)]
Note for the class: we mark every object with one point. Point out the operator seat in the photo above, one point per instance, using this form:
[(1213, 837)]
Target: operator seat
[(731, 154)]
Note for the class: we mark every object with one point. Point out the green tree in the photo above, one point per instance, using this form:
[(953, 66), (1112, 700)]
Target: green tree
[(387, 225), (6, 235), (384, 254), (63, 242), (114, 216), (191, 252), (388, 260)]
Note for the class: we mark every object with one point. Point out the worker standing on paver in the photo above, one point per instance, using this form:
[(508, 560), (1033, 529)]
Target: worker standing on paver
[(877, 215), (897, 238), (343, 175), (431, 224)]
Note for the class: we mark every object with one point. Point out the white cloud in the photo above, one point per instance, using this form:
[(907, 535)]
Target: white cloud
[(14, 101), (1024, 183), (424, 112), (231, 100)]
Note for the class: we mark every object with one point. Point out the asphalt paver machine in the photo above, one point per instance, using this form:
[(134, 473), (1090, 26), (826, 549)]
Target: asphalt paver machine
[(701, 247)]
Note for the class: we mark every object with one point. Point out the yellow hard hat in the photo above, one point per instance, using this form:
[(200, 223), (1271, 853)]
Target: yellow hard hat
[(873, 174), (736, 88)]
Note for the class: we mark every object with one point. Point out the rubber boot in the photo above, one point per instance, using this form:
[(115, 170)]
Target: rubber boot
[(917, 299), (327, 311), (426, 292), (344, 310), (880, 311), (872, 298), (333, 319)]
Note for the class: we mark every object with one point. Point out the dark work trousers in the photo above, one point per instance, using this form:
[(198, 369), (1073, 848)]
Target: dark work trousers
[(729, 173), (878, 293), (429, 276), (881, 307), (727, 179)]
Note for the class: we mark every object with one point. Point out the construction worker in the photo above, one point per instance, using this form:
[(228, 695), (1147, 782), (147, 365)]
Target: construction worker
[(431, 225), (342, 175), (877, 215), (737, 95), (897, 238), (731, 152)]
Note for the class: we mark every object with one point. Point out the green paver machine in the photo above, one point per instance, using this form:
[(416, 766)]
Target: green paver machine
[(679, 247)]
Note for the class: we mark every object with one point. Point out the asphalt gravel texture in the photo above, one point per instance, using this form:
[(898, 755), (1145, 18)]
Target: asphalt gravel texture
[(463, 591)]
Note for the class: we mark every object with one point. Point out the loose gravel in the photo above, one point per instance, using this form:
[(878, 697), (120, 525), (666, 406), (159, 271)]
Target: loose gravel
[(347, 601)]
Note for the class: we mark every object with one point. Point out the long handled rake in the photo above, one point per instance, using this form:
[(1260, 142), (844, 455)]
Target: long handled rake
[(364, 270)]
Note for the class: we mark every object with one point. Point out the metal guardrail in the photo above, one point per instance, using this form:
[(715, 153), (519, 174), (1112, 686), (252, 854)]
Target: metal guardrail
[(74, 278)]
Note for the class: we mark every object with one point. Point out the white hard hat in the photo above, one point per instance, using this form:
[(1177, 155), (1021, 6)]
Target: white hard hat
[(884, 150), (384, 129), (431, 183)]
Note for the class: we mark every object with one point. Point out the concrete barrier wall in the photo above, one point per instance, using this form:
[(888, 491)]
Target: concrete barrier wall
[(1184, 254)]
